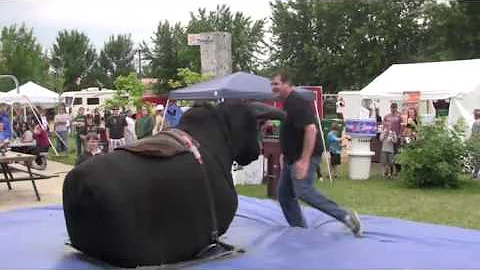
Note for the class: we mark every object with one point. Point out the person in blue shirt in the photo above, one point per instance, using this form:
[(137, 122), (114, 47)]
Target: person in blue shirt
[(3, 134), (5, 120), (173, 115), (334, 148)]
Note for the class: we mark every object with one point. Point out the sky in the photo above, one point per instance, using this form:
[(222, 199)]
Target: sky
[(99, 19)]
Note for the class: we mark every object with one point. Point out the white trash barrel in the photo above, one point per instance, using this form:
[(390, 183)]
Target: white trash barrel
[(360, 155), (359, 164)]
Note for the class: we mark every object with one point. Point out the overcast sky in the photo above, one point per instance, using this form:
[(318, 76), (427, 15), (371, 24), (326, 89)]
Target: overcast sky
[(101, 18)]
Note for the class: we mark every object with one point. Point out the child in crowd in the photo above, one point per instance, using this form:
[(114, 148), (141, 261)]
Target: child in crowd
[(334, 148), (388, 137), (92, 148)]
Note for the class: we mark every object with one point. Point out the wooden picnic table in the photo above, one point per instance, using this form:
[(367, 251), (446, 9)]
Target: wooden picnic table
[(7, 162)]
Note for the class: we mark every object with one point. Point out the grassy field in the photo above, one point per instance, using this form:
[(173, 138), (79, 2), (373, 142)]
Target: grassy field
[(376, 196)]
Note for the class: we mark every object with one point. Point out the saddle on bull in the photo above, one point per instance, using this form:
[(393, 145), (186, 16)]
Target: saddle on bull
[(137, 206)]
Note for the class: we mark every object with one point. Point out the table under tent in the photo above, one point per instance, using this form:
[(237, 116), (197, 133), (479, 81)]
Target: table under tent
[(29, 96)]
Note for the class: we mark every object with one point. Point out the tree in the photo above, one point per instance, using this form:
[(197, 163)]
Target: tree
[(345, 44), (73, 56), (247, 36), (21, 55), (127, 86), (188, 77), (453, 31), (166, 55), (115, 59)]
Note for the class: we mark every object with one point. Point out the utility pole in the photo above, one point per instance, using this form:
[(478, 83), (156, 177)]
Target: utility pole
[(139, 63)]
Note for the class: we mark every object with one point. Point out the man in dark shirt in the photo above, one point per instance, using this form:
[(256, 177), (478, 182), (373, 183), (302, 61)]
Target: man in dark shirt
[(116, 129), (302, 149)]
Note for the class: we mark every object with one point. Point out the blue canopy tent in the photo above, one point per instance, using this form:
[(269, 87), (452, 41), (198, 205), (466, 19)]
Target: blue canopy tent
[(239, 85)]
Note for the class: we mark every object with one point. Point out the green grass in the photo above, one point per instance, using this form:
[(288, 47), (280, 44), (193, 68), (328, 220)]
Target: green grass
[(376, 196), (67, 159)]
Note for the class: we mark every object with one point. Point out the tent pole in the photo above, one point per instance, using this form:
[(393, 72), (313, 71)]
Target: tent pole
[(164, 113), (323, 140)]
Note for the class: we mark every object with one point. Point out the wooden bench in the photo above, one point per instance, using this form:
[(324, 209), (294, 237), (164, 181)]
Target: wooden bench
[(15, 161)]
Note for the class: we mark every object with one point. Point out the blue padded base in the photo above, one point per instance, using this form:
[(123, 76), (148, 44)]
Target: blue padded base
[(35, 239)]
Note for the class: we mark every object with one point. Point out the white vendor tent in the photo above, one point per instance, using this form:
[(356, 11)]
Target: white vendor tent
[(31, 93), (458, 81)]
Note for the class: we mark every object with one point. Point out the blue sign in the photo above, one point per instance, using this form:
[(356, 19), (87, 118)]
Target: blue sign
[(361, 127)]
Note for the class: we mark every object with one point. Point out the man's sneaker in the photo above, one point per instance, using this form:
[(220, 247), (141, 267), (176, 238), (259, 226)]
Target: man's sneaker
[(352, 221)]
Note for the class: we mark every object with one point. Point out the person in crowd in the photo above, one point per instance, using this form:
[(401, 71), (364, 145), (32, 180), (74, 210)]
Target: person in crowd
[(3, 134), (103, 143), (97, 118), (144, 125), (159, 121), (411, 124), (42, 115), (388, 137), (476, 123), (5, 120), (61, 121), (395, 123), (92, 150), (41, 137), (116, 127), (27, 134), (26, 138), (90, 126), (18, 119), (302, 148), (334, 148), (475, 135), (173, 115), (130, 136), (79, 124)]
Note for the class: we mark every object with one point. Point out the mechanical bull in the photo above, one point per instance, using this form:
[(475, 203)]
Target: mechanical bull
[(130, 210)]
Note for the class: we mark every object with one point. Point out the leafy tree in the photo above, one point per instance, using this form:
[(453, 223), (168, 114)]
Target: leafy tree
[(188, 77), (21, 55), (127, 86), (73, 56), (344, 44), (115, 59), (166, 54), (247, 36), (453, 31)]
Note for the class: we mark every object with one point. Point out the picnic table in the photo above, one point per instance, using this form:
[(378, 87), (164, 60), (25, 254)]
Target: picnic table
[(14, 161)]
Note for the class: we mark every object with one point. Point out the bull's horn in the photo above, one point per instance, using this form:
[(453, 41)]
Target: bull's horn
[(264, 111)]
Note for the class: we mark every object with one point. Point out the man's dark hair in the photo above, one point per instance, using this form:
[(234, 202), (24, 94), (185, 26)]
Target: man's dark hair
[(283, 75)]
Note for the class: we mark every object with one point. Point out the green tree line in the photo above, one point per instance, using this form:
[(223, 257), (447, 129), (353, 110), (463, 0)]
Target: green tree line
[(341, 45)]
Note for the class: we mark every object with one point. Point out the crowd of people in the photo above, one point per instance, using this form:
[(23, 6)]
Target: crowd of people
[(27, 132), (95, 133)]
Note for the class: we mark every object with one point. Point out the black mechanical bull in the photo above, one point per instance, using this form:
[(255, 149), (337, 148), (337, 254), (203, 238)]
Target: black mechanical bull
[(131, 210)]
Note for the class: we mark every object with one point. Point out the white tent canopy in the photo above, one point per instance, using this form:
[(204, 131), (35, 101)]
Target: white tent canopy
[(32, 92), (458, 80)]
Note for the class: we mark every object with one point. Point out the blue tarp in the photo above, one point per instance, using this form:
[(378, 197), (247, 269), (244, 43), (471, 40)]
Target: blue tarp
[(239, 85), (34, 239)]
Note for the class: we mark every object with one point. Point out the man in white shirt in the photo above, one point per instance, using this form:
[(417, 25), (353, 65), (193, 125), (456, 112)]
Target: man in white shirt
[(61, 121)]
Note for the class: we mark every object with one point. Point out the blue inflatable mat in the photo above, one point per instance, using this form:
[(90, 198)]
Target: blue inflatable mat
[(35, 239)]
